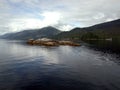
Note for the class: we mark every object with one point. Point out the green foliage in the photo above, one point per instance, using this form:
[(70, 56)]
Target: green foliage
[(89, 36)]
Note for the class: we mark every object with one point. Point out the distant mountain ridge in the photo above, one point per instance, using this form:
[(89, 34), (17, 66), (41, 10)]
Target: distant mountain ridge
[(100, 31), (34, 33)]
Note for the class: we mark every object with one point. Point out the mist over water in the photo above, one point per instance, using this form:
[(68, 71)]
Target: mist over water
[(24, 67)]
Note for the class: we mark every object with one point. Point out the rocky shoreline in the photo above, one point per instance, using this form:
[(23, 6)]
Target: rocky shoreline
[(50, 42)]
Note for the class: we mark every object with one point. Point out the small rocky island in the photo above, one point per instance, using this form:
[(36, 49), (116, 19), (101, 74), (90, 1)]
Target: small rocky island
[(51, 42)]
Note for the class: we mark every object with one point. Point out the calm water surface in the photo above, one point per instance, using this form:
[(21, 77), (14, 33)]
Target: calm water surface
[(24, 67)]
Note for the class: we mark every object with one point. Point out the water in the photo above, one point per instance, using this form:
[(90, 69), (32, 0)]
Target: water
[(106, 46), (24, 67)]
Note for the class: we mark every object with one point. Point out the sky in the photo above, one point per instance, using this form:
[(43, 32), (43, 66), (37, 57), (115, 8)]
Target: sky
[(18, 15)]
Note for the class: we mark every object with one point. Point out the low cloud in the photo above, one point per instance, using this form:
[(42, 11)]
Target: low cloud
[(16, 15)]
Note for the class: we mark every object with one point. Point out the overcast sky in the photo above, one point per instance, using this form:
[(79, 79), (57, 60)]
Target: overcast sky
[(16, 15)]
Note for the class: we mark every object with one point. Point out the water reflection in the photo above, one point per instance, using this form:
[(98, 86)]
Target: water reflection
[(106, 46), (24, 67)]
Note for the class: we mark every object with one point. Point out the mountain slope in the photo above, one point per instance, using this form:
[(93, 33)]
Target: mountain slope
[(99, 31), (35, 33), (107, 30)]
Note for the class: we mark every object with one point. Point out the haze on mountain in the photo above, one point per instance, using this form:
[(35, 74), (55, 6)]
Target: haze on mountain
[(100, 31), (18, 15), (32, 34), (108, 30)]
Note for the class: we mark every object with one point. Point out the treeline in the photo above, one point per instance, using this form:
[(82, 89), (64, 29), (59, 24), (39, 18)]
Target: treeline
[(88, 35), (108, 30)]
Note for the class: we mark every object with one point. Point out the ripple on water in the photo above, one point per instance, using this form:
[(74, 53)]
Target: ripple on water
[(25, 67)]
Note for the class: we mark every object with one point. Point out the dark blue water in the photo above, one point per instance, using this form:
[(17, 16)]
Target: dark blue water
[(24, 67)]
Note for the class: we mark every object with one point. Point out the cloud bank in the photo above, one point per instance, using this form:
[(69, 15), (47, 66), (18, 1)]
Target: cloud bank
[(16, 15)]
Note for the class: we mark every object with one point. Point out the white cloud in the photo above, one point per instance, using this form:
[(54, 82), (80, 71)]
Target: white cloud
[(99, 16), (51, 18), (66, 27), (15, 1), (17, 15)]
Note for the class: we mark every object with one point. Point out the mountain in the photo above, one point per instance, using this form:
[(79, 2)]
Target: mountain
[(34, 33), (105, 30), (100, 31)]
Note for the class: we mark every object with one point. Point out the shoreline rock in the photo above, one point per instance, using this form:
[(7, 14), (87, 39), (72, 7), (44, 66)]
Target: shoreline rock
[(50, 42)]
